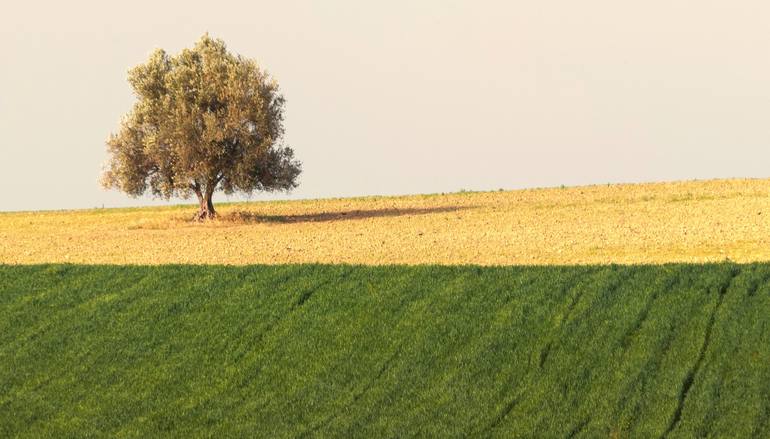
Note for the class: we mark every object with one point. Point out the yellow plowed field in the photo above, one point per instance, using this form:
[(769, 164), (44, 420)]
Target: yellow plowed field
[(640, 223)]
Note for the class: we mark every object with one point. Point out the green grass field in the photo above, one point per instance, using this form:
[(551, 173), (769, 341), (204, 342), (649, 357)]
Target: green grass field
[(354, 351)]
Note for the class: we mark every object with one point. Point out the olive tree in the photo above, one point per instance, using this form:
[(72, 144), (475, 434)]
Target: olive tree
[(204, 120)]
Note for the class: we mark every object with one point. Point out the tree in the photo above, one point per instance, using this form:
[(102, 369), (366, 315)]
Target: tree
[(204, 120)]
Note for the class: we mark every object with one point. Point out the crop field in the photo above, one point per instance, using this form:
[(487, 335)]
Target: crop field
[(600, 311), (354, 351), (642, 223)]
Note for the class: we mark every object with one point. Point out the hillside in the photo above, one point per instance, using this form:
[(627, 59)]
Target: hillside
[(341, 351), (642, 223)]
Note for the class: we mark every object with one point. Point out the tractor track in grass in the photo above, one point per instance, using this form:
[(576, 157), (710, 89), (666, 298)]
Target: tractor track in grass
[(696, 367)]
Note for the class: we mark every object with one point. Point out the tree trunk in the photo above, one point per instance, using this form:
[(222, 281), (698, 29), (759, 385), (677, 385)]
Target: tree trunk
[(205, 207)]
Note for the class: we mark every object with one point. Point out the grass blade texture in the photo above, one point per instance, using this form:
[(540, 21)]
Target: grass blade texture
[(354, 351)]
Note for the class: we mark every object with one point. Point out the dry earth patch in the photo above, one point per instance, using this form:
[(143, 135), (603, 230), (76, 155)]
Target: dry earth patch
[(695, 221)]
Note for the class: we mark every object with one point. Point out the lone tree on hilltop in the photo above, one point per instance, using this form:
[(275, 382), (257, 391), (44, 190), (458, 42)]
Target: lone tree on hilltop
[(204, 120)]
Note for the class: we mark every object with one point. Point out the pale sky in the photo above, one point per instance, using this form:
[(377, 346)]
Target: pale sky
[(402, 97)]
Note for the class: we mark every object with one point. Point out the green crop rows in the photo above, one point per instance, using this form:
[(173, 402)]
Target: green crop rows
[(324, 350)]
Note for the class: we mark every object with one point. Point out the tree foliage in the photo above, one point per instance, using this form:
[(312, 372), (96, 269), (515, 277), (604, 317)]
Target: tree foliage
[(204, 120)]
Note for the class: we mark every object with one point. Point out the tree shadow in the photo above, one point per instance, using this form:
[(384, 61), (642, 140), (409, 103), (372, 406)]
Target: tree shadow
[(348, 215)]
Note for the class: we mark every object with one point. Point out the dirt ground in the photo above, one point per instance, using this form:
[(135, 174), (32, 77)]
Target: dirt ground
[(694, 221)]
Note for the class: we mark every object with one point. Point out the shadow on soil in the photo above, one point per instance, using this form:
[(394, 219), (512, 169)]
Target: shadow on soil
[(254, 217)]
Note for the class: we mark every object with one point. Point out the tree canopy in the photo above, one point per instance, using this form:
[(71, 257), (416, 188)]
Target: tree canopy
[(204, 120)]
